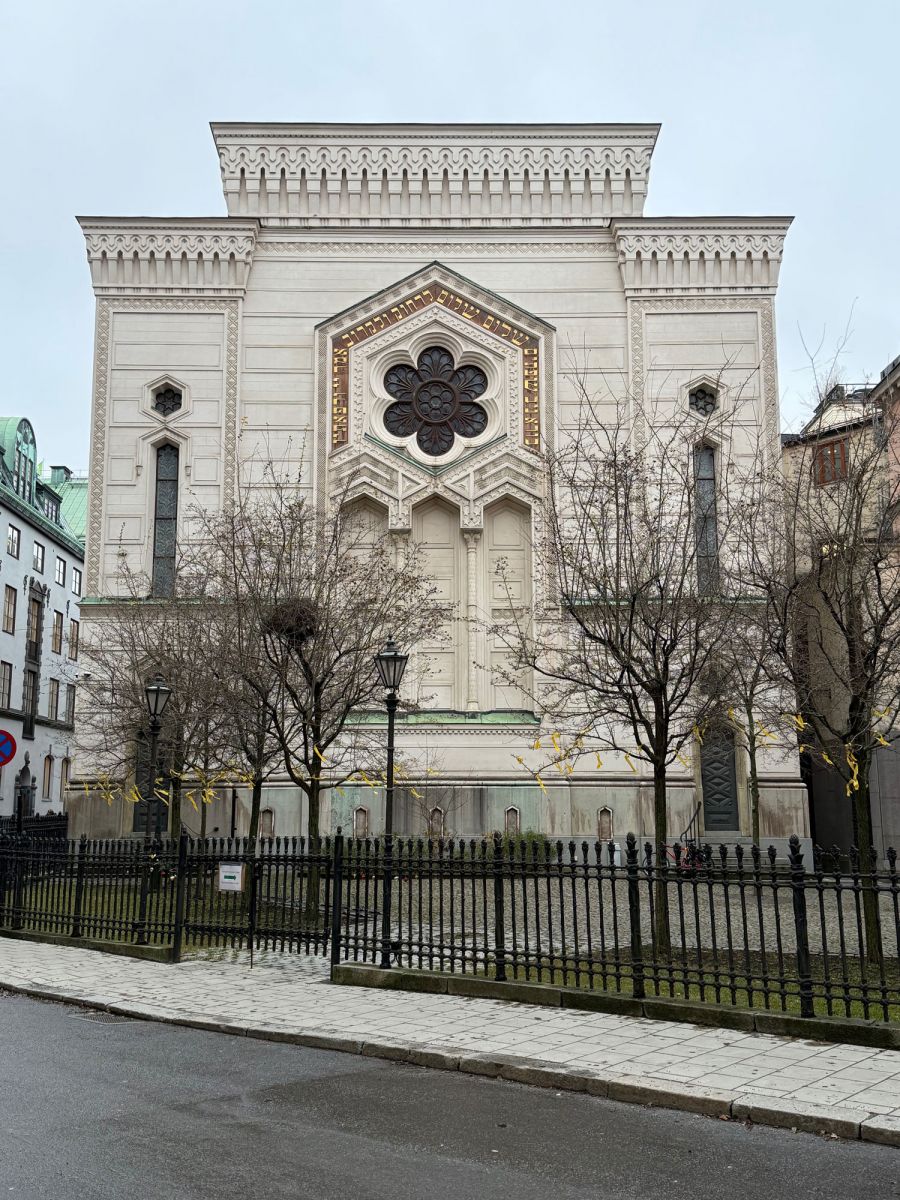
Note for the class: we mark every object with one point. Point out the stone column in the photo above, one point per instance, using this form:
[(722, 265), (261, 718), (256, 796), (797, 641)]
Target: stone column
[(473, 541)]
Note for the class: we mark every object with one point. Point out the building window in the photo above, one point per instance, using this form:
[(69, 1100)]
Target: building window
[(56, 639), (436, 822), (51, 508), (24, 462), (53, 699), (830, 463), (267, 823), (29, 703), (64, 768), (73, 640), (435, 402), (705, 531), (61, 572), (165, 521), (5, 685), (70, 703), (511, 820), (76, 581), (48, 777), (167, 401), (604, 824), (37, 557), (703, 401), (361, 822), (9, 609), (33, 632), (13, 540)]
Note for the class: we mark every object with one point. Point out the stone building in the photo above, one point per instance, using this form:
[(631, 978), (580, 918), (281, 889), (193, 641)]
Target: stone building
[(352, 255), (41, 583)]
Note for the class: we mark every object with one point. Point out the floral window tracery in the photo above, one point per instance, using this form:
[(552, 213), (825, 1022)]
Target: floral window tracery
[(436, 401)]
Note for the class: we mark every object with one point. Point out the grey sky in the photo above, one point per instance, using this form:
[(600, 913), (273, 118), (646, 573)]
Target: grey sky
[(772, 107)]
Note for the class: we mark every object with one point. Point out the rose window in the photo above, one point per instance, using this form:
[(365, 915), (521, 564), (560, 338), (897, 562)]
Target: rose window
[(435, 401)]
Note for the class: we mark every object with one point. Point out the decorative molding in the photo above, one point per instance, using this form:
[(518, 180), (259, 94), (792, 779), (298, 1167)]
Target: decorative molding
[(100, 408), (414, 302), (376, 249), (170, 258), (718, 255), (432, 175), (762, 305)]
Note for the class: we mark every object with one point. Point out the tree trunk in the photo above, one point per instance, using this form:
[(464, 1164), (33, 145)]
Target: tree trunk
[(754, 782), (175, 809), (255, 804), (868, 860), (661, 834), (313, 898)]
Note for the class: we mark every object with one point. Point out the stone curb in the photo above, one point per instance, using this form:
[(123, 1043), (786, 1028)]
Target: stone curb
[(845, 1123)]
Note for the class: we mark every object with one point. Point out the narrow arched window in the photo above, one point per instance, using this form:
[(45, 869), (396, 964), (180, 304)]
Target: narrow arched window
[(511, 821), (705, 528), (436, 822), (361, 822), (604, 824), (64, 769), (165, 520), (48, 777)]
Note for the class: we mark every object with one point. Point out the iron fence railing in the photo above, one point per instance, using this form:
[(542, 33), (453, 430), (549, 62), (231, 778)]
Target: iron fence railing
[(40, 824), (726, 925)]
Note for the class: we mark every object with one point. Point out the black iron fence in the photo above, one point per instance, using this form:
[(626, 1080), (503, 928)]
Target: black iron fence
[(726, 925), (275, 894), (40, 825)]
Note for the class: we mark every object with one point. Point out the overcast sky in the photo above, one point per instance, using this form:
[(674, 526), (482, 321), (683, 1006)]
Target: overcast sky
[(775, 107)]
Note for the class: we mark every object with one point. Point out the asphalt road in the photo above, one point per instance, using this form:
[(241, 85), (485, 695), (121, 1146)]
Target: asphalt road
[(134, 1109)]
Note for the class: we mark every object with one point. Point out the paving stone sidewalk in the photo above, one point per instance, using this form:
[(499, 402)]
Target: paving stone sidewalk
[(850, 1091)]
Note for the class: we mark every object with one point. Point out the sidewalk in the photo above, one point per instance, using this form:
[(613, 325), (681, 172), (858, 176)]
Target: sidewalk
[(849, 1091)]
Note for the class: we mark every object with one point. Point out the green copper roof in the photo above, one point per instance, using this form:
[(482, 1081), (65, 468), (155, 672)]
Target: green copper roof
[(8, 427), (73, 506)]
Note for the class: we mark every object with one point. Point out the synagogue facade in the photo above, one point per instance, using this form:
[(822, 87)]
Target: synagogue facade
[(393, 313)]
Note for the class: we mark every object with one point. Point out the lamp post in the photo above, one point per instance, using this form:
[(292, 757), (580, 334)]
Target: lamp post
[(390, 664), (157, 696)]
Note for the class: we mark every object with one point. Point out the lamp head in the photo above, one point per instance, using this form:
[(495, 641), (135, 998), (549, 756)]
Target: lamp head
[(391, 664)]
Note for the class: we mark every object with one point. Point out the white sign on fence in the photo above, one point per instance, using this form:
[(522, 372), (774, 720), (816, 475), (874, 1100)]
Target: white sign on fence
[(231, 877)]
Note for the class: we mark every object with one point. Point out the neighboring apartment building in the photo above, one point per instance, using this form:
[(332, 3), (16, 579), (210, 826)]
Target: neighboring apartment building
[(41, 585), (351, 252), (846, 416)]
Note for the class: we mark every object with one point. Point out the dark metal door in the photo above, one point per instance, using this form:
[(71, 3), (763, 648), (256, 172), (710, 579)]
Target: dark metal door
[(719, 782)]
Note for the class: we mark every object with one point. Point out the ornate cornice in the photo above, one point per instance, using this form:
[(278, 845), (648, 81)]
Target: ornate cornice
[(435, 175), (169, 257), (666, 256), (511, 248)]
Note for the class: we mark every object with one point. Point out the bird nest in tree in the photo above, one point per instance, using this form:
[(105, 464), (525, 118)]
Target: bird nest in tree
[(292, 621)]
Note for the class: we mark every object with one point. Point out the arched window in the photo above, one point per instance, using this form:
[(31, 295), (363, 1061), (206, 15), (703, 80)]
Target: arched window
[(705, 529), (165, 520), (436, 822), (64, 769), (604, 824), (48, 777), (511, 821), (24, 461), (361, 822)]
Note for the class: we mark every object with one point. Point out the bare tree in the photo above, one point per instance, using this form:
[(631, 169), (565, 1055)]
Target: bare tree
[(133, 637), (637, 527), (312, 600), (834, 599)]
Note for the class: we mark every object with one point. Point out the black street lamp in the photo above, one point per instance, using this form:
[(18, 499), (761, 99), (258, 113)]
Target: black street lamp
[(390, 664), (157, 695)]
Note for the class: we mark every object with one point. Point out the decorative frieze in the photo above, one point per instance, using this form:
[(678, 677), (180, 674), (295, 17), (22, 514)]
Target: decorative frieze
[(166, 257), (324, 175), (661, 256)]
